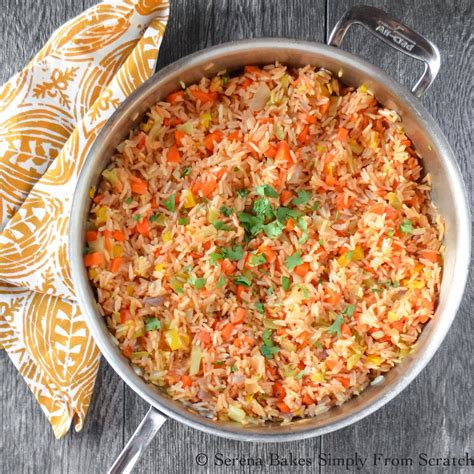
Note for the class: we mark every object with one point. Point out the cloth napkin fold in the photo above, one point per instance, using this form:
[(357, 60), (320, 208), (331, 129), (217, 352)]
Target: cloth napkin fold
[(50, 114)]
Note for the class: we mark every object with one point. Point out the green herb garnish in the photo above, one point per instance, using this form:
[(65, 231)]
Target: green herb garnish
[(183, 221), (243, 280), (170, 203), (233, 253), (270, 290), (303, 225), (129, 200), (219, 225), (390, 232), (260, 307), (273, 229), (285, 213), (406, 226), (263, 207), (214, 257), (198, 283), (293, 261), (268, 349), (350, 310), (257, 259), (302, 198), (335, 327), (227, 211), (266, 190), (152, 324), (186, 171), (137, 217), (243, 192), (154, 217), (285, 283), (221, 282)]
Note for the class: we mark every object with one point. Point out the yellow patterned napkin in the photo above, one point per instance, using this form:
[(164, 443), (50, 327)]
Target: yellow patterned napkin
[(50, 114)]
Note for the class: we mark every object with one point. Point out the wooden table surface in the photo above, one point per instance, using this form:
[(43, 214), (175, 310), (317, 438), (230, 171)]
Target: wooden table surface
[(434, 415)]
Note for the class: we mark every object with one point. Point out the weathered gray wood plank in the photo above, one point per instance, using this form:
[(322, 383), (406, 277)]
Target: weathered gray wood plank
[(435, 414)]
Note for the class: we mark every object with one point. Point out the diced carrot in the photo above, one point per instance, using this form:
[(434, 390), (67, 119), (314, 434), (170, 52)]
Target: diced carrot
[(208, 187), (431, 255), (272, 371), (205, 337), (175, 97), (173, 155), (330, 364), (249, 340), (238, 343), (246, 82), (270, 255), (118, 235), (202, 96), (186, 380), (330, 180), (305, 117), (283, 407), (115, 265), (426, 303), (342, 134), (127, 350), (211, 139), (283, 152), (138, 185), (143, 227), (94, 259), (391, 213), (343, 202), (278, 390), (324, 108), (346, 330), (91, 235), (378, 208), (239, 316), (406, 143), (253, 70), (220, 173), (345, 381), (303, 135), (271, 151), (290, 225), (235, 135), (302, 269), (306, 399), (178, 136), (125, 315), (196, 187), (227, 331), (332, 297), (240, 289), (227, 267), (286, 197), (264, 120), (398, 325)]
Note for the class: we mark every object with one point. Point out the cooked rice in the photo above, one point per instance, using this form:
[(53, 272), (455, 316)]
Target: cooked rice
[(244, 312)]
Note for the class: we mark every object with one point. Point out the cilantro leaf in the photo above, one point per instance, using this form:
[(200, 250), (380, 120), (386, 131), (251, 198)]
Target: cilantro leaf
[(219, 225), (170, 203), (285, 283), (214, 257), (260, 307), (302, 198), (252, 224), (390, 232), (243, 280), (350, 310), (233, 253), (266, 190), (186, 171), (129, 200), (154, 217), (267, 337), (335, 327), (227, 211), (263, 207), (137, 217), (303, 225), (406, 226), (293, 260), (257, 259), (198, 283), (221, 282), (152, 324), (268, 351), (285, 213), (243, 192), (273, 229), (183, 221)]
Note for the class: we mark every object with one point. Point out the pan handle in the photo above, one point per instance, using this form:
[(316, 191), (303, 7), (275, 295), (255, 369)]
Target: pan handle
[(396, 35), (142, 437)]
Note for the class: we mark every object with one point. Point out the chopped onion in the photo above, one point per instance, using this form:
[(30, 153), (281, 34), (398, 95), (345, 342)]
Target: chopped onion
[(153, 301), (260, 98), (195, 360)]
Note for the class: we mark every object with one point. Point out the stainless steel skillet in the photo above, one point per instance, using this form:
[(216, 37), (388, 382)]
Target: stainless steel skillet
[(448, 194)]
